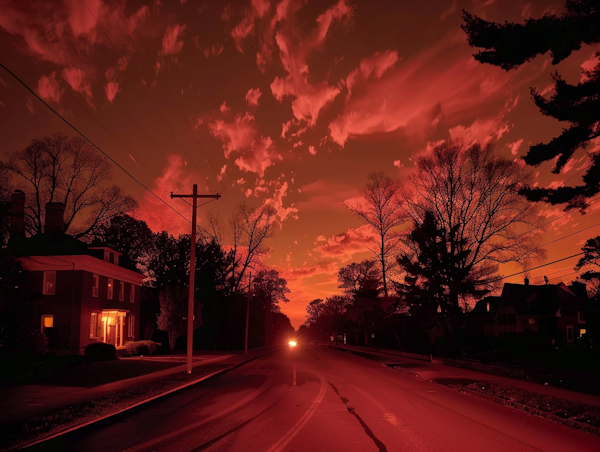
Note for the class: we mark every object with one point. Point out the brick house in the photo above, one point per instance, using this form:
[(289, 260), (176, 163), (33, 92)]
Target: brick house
[(81, 293), (550, 311)]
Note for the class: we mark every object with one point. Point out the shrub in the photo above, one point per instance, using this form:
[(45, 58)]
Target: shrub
[(136, 348), (100, 351)]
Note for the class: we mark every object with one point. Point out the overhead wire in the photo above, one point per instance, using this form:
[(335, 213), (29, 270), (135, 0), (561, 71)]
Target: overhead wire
[(89, 141), (144, 91), (137, 161)]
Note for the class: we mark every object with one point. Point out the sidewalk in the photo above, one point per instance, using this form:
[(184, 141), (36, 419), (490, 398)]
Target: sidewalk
[(440, 373), (22, 401)]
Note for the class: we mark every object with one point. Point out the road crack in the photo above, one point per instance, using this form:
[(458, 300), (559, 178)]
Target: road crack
[(364, 425)]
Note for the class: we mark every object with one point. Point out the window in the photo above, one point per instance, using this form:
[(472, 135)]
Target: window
[(106, 255), (116, 259), (488, 307), (94, 325), (531, 321), (47, 322), (132, 294), (121, 291), (582, 331), (49, 283), (111, 257), (109, 293), (95, 285), (569, 333), (131, 326)]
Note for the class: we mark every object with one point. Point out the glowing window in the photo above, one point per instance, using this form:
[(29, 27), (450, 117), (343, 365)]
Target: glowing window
[(582, 331), (49, 283), (47, 322), (488, 306), (94, 325), (109, 294), (530, 320)]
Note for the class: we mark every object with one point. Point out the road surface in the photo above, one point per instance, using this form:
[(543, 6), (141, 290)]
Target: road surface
[(317, 399)]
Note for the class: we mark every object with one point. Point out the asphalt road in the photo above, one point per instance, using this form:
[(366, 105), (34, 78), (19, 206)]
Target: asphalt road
[(317, 399)]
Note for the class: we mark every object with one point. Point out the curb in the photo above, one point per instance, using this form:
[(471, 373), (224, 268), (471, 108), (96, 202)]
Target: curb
[(528, 409), (135, 405)]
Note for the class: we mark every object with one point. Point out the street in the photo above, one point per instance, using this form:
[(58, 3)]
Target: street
[(313, 398)]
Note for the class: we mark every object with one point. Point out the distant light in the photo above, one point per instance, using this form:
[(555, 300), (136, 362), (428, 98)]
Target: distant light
[(293, 343)]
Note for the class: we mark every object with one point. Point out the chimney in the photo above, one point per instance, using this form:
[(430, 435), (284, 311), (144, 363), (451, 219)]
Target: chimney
[(526, 281), (55, 222), (17, 213)]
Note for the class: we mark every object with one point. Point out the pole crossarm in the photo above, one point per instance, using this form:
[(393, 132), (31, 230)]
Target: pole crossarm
[(217, 196)]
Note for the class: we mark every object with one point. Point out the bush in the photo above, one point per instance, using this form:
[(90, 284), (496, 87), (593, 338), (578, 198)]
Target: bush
[(136, 348), (100, 351)]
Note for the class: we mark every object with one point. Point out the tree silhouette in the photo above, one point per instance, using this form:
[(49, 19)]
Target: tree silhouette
[(509, 45), (591, 259), (382, 209), (474, 194), (66, 169), (440, 273)]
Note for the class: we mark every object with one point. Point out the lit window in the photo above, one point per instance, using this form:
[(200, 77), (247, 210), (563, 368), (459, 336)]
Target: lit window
[(530, 320), (582, 331), (49, 283), (109, 294), (95, 286), (47, 322), (94, 325), (132, 294), (121, 291), (488, 306)]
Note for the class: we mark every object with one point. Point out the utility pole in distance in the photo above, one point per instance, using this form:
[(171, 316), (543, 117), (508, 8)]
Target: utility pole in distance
[(190, 338), (248, 313)]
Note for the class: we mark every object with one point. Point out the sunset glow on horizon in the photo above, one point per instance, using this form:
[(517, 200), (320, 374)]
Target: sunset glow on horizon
[(289, 103)]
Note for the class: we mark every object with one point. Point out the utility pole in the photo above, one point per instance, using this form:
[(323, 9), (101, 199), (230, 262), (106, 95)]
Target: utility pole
[(248, 312), (190, 338)]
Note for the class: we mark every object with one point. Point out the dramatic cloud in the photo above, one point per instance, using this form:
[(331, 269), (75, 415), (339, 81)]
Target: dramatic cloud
[(445, 74), (514, 147), (345, 245), (172, 41), (237, 135), (49, 89), (76, 79), (481, 130), (111, 89), (252, 96), (258, 157)]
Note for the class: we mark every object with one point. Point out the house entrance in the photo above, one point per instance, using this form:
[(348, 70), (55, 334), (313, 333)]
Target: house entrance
[(112, 327)]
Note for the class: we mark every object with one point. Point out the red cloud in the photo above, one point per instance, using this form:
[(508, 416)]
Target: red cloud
[(343, 246), (49, 89), (325, 194), (481, 130), (76, 79), (171, 42), (445, 74), (258, 157), (375, 65), (252, 96), (237, 135), (111, 89)]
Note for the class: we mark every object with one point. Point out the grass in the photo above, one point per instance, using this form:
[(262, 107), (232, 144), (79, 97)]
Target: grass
[(587, 414)]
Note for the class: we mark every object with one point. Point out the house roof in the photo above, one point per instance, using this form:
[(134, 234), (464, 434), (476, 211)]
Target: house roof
[(46, 244), (481, 308), (542, 299)]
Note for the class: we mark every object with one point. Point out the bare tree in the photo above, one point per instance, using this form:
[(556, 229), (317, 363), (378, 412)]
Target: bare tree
[(65, 169), (173, 311), (383, 211), (247, 231), (475, 194)]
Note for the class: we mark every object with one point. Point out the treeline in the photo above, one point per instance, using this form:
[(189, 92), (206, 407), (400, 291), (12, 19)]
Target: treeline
[(68, 170)]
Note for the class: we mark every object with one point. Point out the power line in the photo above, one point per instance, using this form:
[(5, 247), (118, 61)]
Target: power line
[(102, 125), (144, 91), (569, 235), (89, 141), (535, 268)]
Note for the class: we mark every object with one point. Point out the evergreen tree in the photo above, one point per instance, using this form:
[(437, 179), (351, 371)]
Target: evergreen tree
[(509, 45)]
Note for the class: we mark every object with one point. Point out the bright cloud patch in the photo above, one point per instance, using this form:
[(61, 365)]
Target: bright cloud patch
[(76, 79), (49, 89), (172, 42), (111, 89), (252, 96), (514, 147), (347, 244), (480, 131)]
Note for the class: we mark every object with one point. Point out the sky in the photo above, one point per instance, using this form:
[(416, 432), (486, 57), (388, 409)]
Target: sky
[(290, 103)]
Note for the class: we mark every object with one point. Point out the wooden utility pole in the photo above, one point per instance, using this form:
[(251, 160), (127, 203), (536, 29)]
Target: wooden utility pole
[(248, 312), (190, 337)]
